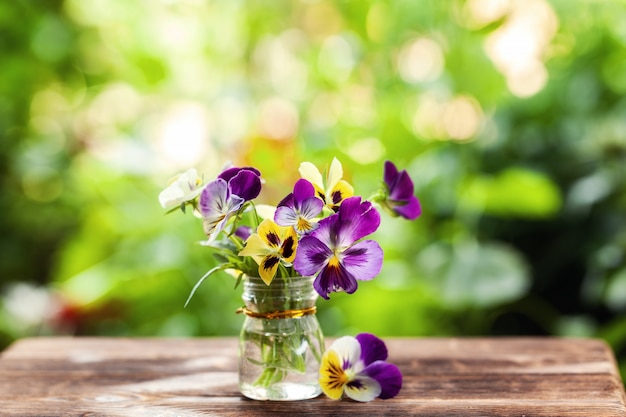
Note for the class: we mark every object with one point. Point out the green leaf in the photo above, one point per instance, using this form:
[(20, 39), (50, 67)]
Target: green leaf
[(205, 276), (239, 278)]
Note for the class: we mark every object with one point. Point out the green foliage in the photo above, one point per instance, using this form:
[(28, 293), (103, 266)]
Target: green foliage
[(472, 275), (514, 192), (519, 158)]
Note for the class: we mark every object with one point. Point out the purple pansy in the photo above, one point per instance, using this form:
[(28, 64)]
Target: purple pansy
[(223, 197), (217, 204), (243, 232), (244, 182), (400, 199), (334, 253), (300, 208), (357, 367)]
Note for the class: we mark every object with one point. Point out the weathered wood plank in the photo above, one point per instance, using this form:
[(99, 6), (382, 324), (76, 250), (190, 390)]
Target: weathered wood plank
[(197, 377)]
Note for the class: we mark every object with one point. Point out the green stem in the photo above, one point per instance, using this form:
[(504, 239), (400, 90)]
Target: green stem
[(236, 241), (257, 221)]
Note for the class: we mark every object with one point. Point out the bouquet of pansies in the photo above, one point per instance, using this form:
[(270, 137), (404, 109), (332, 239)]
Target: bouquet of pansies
[(317, 230)]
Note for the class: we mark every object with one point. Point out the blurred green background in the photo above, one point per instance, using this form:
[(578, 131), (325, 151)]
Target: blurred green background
[(510, 116)]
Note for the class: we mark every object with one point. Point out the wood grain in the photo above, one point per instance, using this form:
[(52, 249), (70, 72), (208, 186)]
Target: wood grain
[(197, 377)]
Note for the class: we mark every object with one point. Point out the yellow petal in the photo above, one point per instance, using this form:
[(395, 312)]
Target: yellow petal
[(268, 267), (309, 172), (270, 232), (332, 376), (290, 243), (320, 193), (257, 258), (340, 192), (255, 247)]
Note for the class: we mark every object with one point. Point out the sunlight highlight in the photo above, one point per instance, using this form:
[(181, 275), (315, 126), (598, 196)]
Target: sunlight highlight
[(421, 60), (462, 118), (276, 61), (483, 12), (459, 118), (278, 119), (366, 150), (518, 46), (184, 134), (336, 59)]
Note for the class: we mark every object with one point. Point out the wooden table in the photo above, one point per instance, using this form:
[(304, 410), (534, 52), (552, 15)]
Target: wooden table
[(197, 377)]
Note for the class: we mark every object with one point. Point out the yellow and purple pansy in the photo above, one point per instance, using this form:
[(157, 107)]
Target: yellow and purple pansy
[(300, 208), (357, 367), (334, 253), (270, 245), (334, 190)]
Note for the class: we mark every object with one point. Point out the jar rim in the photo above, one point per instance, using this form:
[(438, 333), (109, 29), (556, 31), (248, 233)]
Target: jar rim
[(283, 294)]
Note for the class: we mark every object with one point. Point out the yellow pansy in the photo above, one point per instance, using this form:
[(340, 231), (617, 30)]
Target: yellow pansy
[(334, 190), (269, 245)]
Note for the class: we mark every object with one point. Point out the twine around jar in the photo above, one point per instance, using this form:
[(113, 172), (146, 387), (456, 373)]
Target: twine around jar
[(285, 314)]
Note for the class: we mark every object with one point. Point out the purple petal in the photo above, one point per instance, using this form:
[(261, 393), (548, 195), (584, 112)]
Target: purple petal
[(246, 184), (311, 256), (402, 188), (299, 217), (390, 173), (334, 279), (311, 207), (356, 219), (409, 210), (364, 260), (353, 221), (213, 198), (229, 173), (287, 201), (372, 348), (243, 232), (328, 231), (388, 376), (217, 205), (303, 190), (285, 216)]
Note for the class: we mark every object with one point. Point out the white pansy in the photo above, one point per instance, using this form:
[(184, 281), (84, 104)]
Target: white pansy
[(182, 188)]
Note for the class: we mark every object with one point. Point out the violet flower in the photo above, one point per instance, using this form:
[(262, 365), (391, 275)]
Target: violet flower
[(243, 232), (334, 253), (223, 197), (216, 205), (300, 208), (400, 200), (356, 366), (243, 182)]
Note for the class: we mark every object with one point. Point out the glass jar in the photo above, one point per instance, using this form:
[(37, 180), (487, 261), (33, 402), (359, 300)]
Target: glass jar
[(281, 343)]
